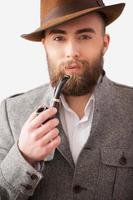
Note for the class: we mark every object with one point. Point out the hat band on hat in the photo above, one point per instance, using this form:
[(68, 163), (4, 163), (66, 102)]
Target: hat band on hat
[(71, 8)]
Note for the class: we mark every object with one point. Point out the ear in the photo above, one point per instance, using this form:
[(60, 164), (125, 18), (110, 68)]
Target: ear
[(43, 43), (106, 43), (42, 40)]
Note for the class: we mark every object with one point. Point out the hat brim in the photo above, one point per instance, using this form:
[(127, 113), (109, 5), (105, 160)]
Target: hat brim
[(111, 13)]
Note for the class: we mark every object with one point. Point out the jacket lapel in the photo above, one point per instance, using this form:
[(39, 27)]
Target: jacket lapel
[(63, 148), (103, 103)]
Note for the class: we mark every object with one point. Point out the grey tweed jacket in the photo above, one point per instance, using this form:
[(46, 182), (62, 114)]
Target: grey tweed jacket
[(104, 170)]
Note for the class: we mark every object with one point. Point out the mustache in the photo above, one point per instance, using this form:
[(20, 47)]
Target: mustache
[(59, 72), (71, 63)]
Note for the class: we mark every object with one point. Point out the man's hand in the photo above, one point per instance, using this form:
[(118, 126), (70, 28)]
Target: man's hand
[(38, 140)]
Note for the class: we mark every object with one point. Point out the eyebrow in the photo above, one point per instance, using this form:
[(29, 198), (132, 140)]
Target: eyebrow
[(84, 30), (57, 31)]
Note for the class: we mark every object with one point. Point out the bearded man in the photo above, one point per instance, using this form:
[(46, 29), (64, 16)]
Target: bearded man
[(81, 149)]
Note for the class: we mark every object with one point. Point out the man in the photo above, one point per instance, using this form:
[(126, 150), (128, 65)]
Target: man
[(85, 151)]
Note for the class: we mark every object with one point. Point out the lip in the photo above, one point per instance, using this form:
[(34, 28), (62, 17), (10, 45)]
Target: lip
[(72, 69), (73, 66)]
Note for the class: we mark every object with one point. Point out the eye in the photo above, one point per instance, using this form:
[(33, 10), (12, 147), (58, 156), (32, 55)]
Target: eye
[(59, 38), (85, 37)]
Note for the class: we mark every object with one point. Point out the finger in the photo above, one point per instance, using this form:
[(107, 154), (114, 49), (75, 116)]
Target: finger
[(48, 137), (37, 112), (47, 127), (52, 145), (42, 117), (31, 117)]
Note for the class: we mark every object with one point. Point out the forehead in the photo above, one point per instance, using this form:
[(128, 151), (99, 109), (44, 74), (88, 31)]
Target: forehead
[(91, 20)]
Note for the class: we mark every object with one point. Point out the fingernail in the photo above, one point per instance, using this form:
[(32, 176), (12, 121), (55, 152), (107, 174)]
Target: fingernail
[(54, 109)]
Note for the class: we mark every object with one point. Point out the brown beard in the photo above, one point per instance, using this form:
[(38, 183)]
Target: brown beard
[(79, 84)]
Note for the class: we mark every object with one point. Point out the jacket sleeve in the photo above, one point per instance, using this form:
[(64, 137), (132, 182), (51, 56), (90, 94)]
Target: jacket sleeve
[(18, 179)]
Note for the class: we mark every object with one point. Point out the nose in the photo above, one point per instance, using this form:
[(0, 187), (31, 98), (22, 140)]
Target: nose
[(72, 50)]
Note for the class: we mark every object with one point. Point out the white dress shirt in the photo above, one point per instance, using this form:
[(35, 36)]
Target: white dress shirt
[(77, 130)]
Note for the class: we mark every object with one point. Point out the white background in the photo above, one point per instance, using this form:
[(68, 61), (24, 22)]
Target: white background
[(22, 63)]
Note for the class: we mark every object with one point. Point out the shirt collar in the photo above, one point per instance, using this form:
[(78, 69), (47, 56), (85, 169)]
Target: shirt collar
[(88, 108)]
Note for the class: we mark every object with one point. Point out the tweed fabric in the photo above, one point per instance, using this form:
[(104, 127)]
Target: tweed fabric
[(104, 169)]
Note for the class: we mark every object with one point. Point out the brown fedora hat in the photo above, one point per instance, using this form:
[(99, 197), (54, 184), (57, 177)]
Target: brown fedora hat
[(55, 12)]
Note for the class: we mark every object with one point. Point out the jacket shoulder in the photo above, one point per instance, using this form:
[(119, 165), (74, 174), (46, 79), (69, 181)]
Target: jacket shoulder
[(122, 86), (28, 100), (15, 95), (30, 93), (123, 93), (118, 93)]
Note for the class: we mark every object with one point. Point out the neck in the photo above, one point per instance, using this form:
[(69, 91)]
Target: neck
[(78, 103)]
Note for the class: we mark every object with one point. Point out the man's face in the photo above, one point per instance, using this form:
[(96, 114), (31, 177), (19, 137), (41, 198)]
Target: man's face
[(76, 48)]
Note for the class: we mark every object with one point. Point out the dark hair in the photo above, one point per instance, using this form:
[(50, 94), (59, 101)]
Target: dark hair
[(103, 17)]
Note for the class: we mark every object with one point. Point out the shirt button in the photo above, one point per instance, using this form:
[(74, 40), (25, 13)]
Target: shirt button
[(34, 176), (87, 148), (123, 160), (28, 187), (77, 189)]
